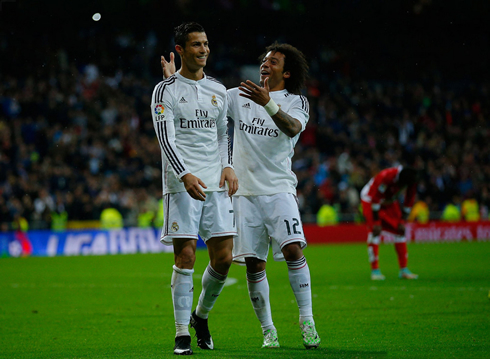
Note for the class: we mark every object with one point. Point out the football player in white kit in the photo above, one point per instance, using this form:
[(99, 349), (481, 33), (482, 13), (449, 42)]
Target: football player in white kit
[(189, 117), (268, 121)]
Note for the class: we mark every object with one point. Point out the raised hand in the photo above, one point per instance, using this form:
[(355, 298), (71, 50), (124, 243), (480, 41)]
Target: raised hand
[(252, 91), (168, 68)]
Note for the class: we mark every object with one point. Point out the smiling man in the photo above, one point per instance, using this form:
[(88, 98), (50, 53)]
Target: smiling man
[(189, 117), (268, 121)]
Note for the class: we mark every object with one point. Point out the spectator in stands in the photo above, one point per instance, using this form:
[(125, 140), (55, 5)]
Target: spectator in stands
[(419, 213), (451, 212), (470, 210), (327, 215), (111, 218)]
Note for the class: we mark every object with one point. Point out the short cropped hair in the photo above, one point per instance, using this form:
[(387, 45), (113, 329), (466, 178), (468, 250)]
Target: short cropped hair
[(294, 62), (181, 32)]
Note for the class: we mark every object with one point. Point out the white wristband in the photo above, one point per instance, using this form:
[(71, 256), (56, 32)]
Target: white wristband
[(271, 108)]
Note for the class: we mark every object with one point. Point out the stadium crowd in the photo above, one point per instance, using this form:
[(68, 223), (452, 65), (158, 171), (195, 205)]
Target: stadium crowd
[(77, 136)]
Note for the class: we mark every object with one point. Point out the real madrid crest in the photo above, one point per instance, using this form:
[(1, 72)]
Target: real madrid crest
[(175, 227), (213, 101)]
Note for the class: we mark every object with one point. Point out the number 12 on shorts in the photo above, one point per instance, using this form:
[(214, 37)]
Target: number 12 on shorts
[(295, 225)]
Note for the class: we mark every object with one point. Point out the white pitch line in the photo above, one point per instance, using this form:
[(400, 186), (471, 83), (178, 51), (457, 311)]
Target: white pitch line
[(230, 281)]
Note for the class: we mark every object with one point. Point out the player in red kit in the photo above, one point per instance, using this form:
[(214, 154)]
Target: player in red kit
[(381, 209)]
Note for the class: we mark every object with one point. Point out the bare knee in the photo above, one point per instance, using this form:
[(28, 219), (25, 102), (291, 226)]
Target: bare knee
[(220, 254), (222, 262), (185, 258), (292, 251), (254, 265)]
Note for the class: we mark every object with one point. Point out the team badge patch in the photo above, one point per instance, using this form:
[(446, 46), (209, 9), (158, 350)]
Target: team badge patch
[(175, 227), (213, 101), (159, 109)]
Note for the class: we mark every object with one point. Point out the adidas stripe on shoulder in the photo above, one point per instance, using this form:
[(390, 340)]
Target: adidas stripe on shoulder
[(210, 78), (305, 105), (160, 88)]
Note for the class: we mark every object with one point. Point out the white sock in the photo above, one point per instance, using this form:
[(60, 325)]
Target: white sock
[(212, 284), (182, 293), (258, 289), (299, 278)]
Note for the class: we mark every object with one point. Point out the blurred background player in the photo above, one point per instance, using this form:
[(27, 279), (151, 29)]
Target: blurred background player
[(189, 117), (381, 208)]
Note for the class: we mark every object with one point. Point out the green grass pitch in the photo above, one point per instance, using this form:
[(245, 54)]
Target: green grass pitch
[(120, 306)]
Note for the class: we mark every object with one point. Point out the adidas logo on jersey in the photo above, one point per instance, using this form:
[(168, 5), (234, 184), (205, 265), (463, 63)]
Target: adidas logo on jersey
[(183, 100), (247, 105)]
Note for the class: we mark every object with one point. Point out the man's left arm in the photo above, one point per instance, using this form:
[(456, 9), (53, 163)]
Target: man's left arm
[(287, 123)]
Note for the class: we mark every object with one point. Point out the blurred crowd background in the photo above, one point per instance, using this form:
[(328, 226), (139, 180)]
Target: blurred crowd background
[(389, 84)]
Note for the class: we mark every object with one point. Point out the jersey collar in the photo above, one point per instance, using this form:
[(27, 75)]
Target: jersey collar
[(189, 81), (280, 92)]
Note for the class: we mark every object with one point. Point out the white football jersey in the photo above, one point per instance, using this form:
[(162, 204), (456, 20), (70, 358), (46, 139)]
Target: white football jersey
[(262, 153), (190, 122)]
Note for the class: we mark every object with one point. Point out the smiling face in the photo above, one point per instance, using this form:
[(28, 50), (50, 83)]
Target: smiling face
[(272, 67), (195, 53)]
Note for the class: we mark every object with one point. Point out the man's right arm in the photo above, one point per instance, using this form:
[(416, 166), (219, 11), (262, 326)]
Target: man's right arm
[(163, 116)]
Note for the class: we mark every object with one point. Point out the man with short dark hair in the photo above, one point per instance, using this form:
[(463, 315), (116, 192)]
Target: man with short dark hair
[(189, 116)]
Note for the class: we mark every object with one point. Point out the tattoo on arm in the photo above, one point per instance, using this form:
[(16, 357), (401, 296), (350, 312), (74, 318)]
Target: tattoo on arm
[(286, 123)]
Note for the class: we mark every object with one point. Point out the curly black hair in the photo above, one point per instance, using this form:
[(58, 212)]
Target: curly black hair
[(294, 62)]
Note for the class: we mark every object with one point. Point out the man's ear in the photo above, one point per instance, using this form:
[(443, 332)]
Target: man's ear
[(286, 74), (179, 49)]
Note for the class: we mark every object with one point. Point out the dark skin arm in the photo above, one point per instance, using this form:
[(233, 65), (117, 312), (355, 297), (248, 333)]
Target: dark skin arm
[(260, 95)]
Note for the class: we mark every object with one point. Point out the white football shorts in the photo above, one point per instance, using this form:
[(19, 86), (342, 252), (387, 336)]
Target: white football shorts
[(263, 221), (185, 217)]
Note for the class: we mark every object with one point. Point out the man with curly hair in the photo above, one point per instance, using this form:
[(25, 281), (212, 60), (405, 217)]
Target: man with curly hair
[(268, 121)]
